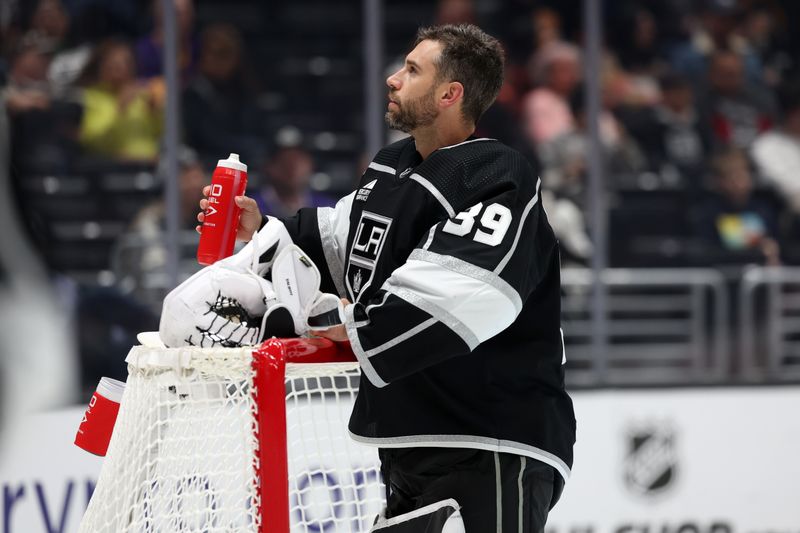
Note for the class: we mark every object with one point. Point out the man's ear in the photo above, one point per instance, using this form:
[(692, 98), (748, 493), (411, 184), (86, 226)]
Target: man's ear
[(452, 93)]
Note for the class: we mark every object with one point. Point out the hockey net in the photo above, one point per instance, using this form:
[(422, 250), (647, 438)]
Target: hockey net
[(237, 440)]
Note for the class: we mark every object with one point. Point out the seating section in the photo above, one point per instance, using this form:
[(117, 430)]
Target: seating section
[(307, 59), (77, 218)]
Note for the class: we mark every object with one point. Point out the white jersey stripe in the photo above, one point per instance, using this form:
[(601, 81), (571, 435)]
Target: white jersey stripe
[(435, 192), (483, 309), (436, 312), (430, 238), (466, 142), (468, 269), (355, 343), (498, 480), (382, 168), (400, 338), (333, 224), (370, 307), (522, 461), (468, 441), (525, 213)]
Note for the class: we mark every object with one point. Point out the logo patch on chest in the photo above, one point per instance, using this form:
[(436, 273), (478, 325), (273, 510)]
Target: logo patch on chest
[(363, 192), (365, 251)]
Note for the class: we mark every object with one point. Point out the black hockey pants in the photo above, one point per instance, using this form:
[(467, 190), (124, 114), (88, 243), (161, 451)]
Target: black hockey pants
[(497, 492)]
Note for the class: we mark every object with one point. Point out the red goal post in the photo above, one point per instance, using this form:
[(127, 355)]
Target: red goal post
[(237, 439)]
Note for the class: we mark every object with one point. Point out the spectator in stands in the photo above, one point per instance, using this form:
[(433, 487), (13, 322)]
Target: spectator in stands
[(526, 30), (219, 111), (764, 28), (546, 27), (734, 225), (49, 24), (637, 45), (623, 88), (715, 29), (777, 152), (107, 323), (564, 159), (150, 221), (27, 88), (287, 189), (569, 225), (635, 61), (556, 73), (671, 134), (735, 111), (536, 29), (455, 12), (150, 48), (91, 25), (41, 128), (122, 117), (141, 252)]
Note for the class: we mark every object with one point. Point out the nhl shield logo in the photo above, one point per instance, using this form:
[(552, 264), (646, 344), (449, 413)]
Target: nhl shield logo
[(651, 459), (365, 251)]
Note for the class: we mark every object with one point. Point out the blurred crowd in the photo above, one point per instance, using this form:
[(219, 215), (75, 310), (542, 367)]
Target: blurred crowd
[(700, 105), (698, 98)]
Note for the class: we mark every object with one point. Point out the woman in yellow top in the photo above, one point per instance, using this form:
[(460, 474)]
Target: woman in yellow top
[(122, 117)]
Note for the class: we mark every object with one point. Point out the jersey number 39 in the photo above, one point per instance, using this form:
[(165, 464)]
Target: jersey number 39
[(493, 223)]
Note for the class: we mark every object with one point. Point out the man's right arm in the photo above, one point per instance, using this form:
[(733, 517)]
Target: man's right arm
[(320, 232)]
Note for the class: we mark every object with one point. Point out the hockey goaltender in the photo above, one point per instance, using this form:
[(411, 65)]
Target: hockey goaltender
[(442, 271)]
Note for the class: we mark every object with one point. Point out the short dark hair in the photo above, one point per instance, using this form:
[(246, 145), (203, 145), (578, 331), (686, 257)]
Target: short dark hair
[(471, 57)]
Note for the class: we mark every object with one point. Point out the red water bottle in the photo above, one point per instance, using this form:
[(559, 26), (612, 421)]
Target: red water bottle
[(97, 424), (222, 215)]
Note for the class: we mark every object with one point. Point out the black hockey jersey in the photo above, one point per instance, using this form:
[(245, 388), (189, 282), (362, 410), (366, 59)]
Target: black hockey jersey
[(453, 271)]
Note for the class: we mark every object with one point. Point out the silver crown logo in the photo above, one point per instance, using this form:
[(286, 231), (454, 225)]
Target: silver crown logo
[(357, 281)]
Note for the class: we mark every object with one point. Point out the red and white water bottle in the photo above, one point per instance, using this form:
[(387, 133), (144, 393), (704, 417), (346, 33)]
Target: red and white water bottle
[(218, 234), (97, 424)]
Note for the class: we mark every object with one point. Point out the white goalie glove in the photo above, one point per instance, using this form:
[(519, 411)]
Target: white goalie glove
[(231, 304)]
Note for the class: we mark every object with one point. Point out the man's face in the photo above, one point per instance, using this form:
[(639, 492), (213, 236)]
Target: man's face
[(220, 57), (118, 67), (412, 98), (736, 184), (727, 73), (678, 98)]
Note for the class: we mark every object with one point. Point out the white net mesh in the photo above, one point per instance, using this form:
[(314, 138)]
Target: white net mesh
[(334, 483), (182, 455)]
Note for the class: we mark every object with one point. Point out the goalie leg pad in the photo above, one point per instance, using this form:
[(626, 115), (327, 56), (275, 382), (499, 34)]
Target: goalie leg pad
[(440, 517)]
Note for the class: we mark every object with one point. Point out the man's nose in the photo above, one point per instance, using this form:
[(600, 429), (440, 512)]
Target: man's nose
[(393, 81)]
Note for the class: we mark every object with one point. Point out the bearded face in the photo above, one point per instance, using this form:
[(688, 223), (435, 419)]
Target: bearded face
[(413, 113)]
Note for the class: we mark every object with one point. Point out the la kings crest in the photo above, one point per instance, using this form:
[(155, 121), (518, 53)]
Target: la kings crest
[(365, 251)]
